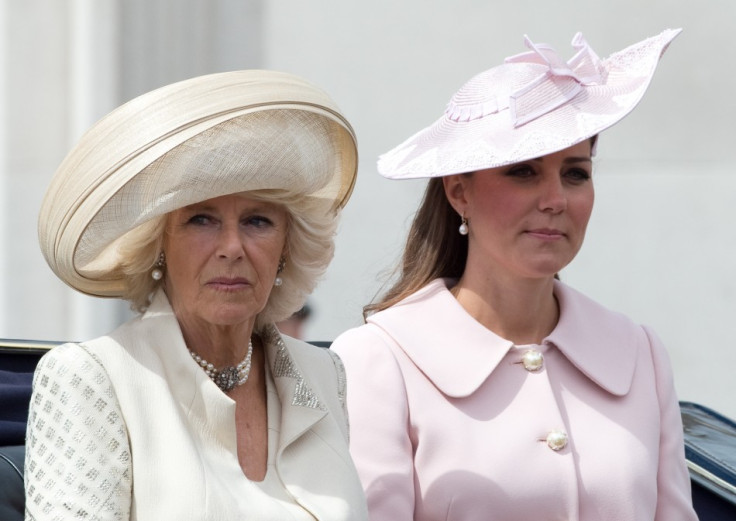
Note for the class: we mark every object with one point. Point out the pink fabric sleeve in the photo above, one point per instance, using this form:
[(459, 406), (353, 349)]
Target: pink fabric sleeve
[(379, 423), (674, 500)]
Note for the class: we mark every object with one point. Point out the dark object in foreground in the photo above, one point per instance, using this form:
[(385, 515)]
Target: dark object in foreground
[(710, 439)]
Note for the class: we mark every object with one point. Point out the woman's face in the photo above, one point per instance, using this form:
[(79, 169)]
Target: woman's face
[(222, 257), (527, 219)]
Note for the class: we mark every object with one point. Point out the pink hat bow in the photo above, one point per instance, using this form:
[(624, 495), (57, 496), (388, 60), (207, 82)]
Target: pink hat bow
[(561, 82), (533, 104)]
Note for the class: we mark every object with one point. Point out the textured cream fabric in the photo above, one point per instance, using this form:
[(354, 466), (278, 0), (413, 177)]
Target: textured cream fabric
[(128, 426), (187, 142), (77, 452)]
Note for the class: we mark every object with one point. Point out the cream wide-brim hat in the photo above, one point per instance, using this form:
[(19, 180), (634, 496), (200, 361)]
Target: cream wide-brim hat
[(184, 143), (532, 105)]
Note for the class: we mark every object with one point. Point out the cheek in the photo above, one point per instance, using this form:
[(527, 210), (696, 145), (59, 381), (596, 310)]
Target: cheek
[(264, 253), (582, 209), (502, 210), (267, 255), (185, 254)]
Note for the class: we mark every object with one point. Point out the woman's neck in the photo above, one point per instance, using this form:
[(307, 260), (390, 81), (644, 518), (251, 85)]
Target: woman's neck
[(222, 346), (523, 311)]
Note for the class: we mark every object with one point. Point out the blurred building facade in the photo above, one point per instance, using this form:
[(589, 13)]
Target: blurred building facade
[(660, 245)]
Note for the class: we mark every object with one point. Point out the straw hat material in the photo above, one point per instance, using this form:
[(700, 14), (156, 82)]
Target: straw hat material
[(184, 143), (532, 105)]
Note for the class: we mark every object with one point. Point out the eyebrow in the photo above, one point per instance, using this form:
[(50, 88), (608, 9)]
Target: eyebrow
[(581, 159), (206, 206)]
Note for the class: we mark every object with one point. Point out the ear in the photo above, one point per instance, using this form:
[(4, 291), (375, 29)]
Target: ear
[(456, 190)]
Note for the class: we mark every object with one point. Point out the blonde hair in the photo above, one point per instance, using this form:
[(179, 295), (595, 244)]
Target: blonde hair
[(310, 243)]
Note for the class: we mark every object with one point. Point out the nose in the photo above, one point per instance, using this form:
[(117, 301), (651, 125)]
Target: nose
[(552, 198), (230, 245)]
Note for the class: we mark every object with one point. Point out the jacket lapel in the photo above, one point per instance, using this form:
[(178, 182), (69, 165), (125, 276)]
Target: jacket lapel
[(300, 406)]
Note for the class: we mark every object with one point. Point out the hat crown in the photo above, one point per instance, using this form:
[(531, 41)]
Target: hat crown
[(529, 84)]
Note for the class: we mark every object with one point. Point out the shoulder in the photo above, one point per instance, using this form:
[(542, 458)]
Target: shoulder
[(606, 345), (308, 356), (364, 344), (373, 362), (582, 315), (366, 335), (74, 369), (383, 331), (660, 357), (68, 360), (576, 303)]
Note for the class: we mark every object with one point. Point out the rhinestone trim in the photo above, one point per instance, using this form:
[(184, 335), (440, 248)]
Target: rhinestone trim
[(283, 366)]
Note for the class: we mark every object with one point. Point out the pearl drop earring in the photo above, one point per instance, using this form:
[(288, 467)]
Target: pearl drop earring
[(157, 273), (278, 281), (463, 229)]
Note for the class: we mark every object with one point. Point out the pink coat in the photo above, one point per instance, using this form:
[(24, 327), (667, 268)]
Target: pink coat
[(447, 423)]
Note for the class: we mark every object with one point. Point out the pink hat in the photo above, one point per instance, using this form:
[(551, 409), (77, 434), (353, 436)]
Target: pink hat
[(532, 105)]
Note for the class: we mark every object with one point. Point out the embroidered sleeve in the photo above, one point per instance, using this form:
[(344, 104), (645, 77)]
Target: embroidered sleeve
[(341, 380), (78, 462)]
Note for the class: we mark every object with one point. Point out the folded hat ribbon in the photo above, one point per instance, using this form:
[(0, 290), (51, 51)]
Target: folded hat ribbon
[(561, 82)]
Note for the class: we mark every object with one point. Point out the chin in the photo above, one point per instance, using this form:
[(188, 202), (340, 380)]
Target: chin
[(231, 315), (547, 270)]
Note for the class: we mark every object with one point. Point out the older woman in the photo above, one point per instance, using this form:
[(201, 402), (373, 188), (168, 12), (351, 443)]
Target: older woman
[(211, 206), (481, 387)]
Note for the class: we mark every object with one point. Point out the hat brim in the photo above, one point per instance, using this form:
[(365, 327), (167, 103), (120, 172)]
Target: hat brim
[(185, 143), (451, 146)]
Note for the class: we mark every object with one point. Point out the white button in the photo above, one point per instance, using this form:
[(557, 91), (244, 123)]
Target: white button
[(532, 360), (556, 440)]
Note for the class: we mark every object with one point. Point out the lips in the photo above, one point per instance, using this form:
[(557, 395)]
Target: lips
[(228, 282), (546, 233)]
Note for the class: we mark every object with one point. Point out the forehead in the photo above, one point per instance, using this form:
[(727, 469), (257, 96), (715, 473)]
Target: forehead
[(580, 151), (239, 201)]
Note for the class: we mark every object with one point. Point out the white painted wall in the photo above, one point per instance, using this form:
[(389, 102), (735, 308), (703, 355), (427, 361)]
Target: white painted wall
[(660, 245)]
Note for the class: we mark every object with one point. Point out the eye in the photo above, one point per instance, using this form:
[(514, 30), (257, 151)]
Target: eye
[(200, 219), (577, 175), (258, 221), (521, 172)]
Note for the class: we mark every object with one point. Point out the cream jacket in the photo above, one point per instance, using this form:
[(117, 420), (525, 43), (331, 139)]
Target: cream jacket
[(127, 426), (449, 424)]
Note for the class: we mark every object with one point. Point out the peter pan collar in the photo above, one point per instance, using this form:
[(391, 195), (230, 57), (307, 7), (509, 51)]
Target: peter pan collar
[(458, 354)]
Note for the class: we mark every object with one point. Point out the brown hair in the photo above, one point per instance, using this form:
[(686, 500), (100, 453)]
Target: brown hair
[(434, 248)]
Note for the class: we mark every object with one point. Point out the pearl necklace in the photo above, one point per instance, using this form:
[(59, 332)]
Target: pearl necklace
[(227, 378)]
